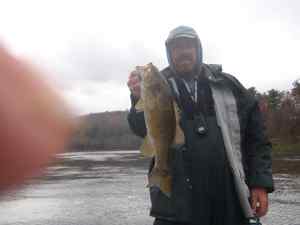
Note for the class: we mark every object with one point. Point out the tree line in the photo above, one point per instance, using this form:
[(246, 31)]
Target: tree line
[(110, 130), (104, 131), (281, 111)]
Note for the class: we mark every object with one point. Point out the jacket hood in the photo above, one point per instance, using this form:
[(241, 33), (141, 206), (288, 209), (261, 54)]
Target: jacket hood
[(183, 31)]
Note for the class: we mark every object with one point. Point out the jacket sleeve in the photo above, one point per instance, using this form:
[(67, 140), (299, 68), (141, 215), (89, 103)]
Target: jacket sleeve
[(136, 119), (259, 151)]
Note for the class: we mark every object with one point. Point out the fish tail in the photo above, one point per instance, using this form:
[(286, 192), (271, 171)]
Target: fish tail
[(162, 180)]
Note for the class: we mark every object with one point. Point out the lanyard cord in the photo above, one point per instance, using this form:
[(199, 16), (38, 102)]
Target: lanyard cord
[(194, 95)]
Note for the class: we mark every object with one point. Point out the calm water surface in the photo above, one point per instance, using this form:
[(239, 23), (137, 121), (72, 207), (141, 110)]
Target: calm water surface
[(99, 188)]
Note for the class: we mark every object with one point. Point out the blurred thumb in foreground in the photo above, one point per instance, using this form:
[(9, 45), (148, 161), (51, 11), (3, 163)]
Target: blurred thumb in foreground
[(34, 122)]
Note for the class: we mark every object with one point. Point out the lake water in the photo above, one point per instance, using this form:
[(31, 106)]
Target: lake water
[(109, 187)]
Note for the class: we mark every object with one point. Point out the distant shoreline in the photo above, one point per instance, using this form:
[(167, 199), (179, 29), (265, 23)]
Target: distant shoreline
[(276, 152)]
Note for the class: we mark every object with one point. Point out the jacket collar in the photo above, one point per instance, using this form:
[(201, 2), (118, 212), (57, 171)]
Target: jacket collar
[(210, 71)]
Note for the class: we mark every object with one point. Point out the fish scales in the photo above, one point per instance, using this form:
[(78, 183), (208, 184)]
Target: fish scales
[(157, 103)]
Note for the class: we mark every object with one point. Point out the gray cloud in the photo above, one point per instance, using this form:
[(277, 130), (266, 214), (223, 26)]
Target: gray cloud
[(95, 61), (91, 51), (283, 12)]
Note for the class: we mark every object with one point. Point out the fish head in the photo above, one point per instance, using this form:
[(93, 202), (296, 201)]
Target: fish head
[(152, 79)]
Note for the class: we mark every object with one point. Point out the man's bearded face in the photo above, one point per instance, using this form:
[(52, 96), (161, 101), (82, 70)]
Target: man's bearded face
[(184, 54)]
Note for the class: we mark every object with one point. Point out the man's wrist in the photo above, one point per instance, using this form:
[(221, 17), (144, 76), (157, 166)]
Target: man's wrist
[(258, 188), (134, 99)]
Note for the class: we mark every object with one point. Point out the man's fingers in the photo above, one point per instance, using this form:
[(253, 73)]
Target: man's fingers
[(134, 76), (254, 201), (260, 211), (263, 206), (134, 73), (136, 90), (259, 201), (133, 81)]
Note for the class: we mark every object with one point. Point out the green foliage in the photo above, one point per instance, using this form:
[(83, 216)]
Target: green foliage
[(282, 117), (296, 88), (253, 92), (274, 98)]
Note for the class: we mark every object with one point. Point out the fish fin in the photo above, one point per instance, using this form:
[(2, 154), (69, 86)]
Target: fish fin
[(160, 180), (146, 148), (179, 135), (139, 106), (166, 185)]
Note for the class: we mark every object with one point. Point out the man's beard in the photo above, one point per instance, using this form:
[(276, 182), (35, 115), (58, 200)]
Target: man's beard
[(189, 74), (185, 62), (184, 57), (187, 68)]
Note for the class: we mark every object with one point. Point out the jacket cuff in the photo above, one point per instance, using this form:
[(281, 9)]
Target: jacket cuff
[(262, 181), (134, 100)]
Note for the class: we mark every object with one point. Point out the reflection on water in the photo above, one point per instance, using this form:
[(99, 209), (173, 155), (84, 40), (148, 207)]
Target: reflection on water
[(108, 187)]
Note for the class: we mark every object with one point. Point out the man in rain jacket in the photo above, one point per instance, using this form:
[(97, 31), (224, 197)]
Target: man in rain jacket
[(225, 163)]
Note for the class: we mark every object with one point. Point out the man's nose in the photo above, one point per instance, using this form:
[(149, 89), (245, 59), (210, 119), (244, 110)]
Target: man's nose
[(185, 51)]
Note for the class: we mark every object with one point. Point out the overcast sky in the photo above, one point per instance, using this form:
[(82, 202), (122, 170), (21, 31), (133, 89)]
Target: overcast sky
[(89, 47)]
